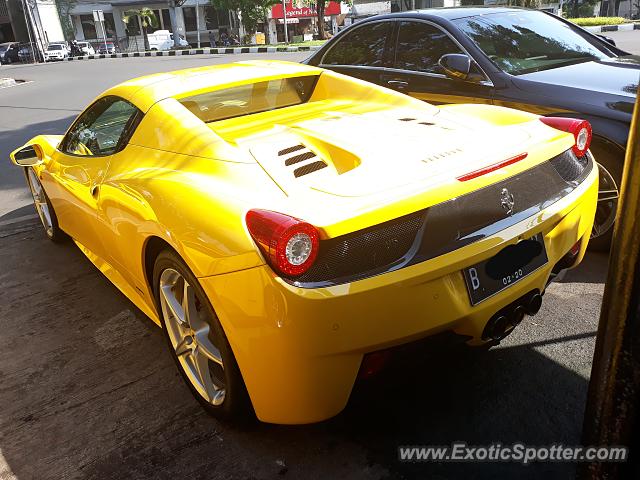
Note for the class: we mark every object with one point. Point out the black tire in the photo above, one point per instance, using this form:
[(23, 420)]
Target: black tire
[(54, 233), (611, 158), (236, 405)]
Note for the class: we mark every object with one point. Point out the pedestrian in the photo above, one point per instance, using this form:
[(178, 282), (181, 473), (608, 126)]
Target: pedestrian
[(212, 39)]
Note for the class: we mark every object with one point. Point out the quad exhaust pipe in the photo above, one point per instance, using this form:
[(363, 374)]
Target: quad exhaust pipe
[(503, 322)]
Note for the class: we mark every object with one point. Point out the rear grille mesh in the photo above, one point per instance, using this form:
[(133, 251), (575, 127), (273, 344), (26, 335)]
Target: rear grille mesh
[(568, 166), (299, 158), (360, 254), (286, 151), (309, 168)]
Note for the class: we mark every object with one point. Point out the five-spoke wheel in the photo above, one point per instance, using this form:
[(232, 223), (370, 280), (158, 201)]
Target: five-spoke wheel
[(197, 340), (43, 207), (190, 334)]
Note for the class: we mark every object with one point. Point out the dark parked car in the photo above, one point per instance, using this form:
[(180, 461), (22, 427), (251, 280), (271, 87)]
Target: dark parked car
[(25, 53), (525, 59), (107, 49), (9, 52)]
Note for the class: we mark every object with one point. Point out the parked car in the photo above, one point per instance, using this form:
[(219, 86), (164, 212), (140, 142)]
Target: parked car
[(25, 52), (163, 40), (56, 51), (107, 48), (525, 59), (418, 221), (86, 48), (9, 52)]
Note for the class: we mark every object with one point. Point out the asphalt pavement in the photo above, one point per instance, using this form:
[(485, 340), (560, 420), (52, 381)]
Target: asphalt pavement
[(88, 389)]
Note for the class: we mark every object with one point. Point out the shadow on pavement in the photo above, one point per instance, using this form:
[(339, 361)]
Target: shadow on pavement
[(88, 391), (10, 175)]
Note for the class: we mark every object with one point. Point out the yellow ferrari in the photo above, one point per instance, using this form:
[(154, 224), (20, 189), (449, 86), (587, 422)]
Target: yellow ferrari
[(289, 227)]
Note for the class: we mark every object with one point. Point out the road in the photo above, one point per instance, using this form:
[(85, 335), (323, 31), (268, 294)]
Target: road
[(628, 41), (89, 391)]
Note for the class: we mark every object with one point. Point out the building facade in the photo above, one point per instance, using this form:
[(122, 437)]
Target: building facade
[(192, 18), (301, 20)]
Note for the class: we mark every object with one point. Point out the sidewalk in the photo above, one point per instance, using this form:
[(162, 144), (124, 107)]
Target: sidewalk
[(613, 28), (199, 51)]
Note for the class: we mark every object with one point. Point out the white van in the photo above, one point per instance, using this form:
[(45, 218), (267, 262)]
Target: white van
[(163, 40)]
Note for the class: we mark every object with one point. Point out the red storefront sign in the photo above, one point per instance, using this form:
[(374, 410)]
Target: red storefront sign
[(331, 8)]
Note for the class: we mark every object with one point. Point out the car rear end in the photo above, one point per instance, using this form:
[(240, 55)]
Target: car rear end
[(398, 221)]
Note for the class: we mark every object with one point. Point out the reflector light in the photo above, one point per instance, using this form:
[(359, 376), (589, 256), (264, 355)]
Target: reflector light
[(290, 245), (581, 130), (491, 168)]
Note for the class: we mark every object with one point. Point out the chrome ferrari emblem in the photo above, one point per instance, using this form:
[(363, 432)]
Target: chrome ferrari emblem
[(507, 201)]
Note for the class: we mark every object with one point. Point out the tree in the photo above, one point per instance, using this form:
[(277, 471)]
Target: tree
[(147, 18), (320, 9), (64, 8), (252, 12), (172, 17)]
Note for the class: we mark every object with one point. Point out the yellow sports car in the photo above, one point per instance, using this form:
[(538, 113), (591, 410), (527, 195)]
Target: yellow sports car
[(289, 227)]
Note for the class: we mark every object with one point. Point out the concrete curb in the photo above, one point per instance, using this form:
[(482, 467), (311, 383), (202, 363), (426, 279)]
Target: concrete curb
[(7, 82), (614, 28), (197, 51)]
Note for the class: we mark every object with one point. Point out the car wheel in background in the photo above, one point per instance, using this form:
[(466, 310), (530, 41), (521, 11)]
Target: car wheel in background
[(44, 209), (197, 341), (610, 160)]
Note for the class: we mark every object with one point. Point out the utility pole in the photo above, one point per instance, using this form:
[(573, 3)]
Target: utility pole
[(198, 20), (284, 20), (612, 414), (29, 27)]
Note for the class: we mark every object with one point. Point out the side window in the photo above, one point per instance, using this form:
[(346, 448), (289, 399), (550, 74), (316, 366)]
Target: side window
[(362, 46), (420, 46), (102, 129)]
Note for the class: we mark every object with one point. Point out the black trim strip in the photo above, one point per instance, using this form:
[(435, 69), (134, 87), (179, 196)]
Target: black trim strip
[(444, 227)]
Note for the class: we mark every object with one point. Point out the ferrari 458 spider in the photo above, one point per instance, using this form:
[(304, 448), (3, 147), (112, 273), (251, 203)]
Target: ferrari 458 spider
[(286, 224)]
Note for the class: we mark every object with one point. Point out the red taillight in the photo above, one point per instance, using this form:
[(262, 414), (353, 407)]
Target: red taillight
[(581, 130), (491, 168), (290, 245)]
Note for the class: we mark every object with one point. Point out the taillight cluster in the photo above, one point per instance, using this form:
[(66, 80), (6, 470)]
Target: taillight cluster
[(581, 130), (289, 244)]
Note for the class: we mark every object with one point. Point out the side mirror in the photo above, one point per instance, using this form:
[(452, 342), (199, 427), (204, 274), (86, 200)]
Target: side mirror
[(455, 65), (608, 39), (28, 156)]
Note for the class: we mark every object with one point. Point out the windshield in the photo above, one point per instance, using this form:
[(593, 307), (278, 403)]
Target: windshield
[(4, 48), (528, 41), (54, 47)]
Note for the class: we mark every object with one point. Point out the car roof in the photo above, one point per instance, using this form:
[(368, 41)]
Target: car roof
[(453, 13), (145, 91)]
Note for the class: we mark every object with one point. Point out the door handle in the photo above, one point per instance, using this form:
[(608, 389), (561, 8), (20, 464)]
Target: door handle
[(94, 190), (399, 84)]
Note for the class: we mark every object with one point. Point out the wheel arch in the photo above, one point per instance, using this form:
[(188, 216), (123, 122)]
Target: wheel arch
[(150, 251)]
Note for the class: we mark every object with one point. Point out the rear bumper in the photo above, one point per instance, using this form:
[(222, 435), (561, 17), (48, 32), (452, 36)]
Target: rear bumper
[(299, 349)]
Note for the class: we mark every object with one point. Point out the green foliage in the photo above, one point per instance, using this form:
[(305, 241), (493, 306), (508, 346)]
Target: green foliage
[(147, 17), (252, 12), (64, 8), (597, 21), (517, 3)]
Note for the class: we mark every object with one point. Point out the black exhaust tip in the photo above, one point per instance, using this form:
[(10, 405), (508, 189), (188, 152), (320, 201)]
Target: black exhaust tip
[(532, 306), (518, 315), (497, 328)]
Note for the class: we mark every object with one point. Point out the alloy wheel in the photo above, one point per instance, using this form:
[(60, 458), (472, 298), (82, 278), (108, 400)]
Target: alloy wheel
[(40, 201), (607, 203), (190, 334)]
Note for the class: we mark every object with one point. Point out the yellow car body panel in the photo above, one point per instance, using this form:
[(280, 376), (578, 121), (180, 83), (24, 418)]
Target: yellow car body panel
[(188, 185)]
